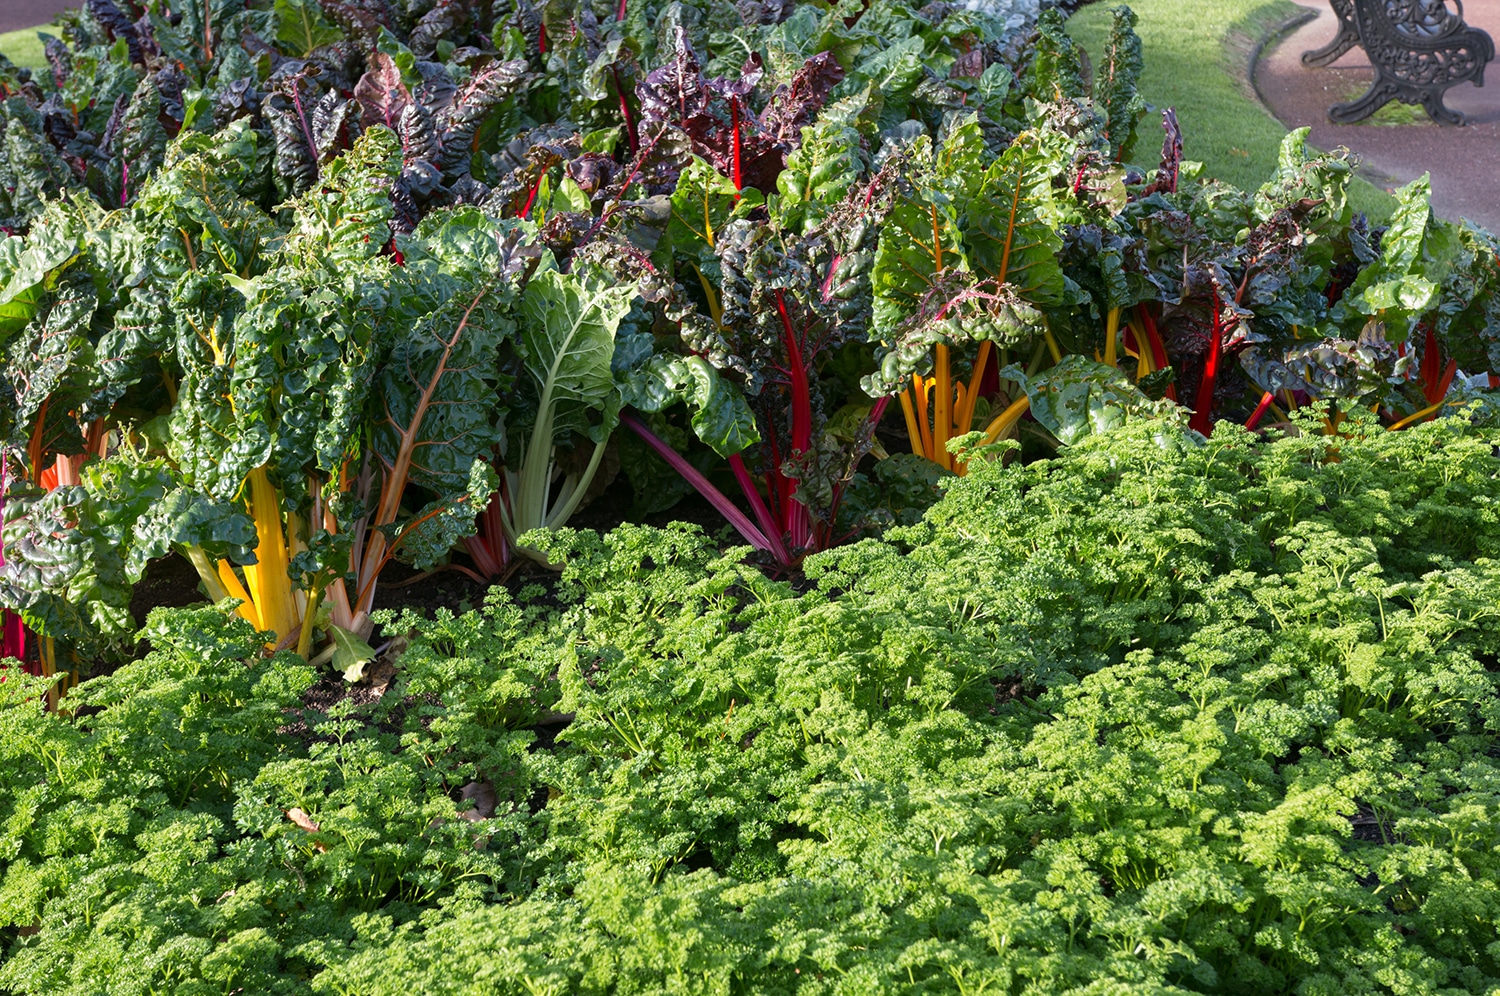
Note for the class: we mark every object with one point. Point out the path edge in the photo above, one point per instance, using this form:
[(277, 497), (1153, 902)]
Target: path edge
[(1276, 34)]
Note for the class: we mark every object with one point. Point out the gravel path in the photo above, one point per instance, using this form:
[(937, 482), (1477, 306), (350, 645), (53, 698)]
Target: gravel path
[(1464, 162), (18, 14)]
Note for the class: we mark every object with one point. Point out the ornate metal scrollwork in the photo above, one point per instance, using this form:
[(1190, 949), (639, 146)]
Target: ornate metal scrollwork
[(1347, 37), (1418, 48)]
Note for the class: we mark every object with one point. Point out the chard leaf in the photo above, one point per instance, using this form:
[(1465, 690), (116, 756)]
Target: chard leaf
[(1116, 80), (350, 655), (178, 518), (568, 325), (1416, 254), (1078, 397), (720, 415), (301, 27), (1007, 229), (703, 203), (25, 263)]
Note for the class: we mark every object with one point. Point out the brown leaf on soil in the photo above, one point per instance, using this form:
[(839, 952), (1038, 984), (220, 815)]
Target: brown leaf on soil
[(482, 795)]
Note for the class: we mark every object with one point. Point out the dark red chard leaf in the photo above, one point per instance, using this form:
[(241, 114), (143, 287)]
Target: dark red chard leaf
[(289, 111), (360, 19), (446, 20), (748, 147), (1171, 157), (60, 58), (169, 84), (679, 94), (795, 106), (381, 93), (117, 25), (470, 103)]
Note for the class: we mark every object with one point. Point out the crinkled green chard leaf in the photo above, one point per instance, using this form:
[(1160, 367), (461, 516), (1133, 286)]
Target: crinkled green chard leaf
[(72, 554), (301, 27), (1416, 255), (1116, 83), (437, 408), (180, 519), (1056, 69), (969, 254), (277, 369), (25, 265), (33, 170), (720, 416), (1078, 397), (1468, 317), (922, 236), (51, 362), (1008, 224), (702, 205), (825, 167)]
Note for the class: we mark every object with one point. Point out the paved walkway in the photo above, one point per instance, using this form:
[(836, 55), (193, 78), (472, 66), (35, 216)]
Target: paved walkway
[(1464, 162), (18, 14)]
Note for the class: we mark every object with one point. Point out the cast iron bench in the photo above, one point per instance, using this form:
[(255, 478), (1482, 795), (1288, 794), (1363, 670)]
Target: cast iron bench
[(1419, 48)]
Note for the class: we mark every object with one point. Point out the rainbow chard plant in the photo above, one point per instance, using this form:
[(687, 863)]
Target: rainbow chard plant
[(790, 301), (350, 385), (567, 401), (323, 408), (969, 255)]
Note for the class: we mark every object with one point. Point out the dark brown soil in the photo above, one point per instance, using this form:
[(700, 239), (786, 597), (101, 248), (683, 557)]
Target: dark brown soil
[(170, 582)]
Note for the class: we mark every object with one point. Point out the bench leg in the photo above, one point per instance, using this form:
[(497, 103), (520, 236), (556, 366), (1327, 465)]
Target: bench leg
[(1432, 102), (1381, 92), (1346, 38), (1342, 42)]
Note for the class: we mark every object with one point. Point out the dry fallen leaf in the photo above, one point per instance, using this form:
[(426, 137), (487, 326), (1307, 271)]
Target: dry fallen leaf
[(482, 795), (301, 819)]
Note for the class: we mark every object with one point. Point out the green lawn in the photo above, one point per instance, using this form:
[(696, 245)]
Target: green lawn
[(1197, 59), (24, 48)]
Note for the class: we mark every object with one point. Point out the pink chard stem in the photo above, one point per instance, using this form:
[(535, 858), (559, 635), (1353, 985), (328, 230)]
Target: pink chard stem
[(739, 520)]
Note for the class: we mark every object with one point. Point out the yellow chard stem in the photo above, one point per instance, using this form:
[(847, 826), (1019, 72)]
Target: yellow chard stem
[(942, 409), (1111, 336), (965, 417), (920, 388), (207, 573), (1417, 416), (912, 432), (1052, 345), (248, 610), (304, 639), (715, 310), (1006, 419), (267, 578)]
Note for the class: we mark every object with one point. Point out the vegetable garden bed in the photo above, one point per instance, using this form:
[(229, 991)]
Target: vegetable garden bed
[(862, 519)]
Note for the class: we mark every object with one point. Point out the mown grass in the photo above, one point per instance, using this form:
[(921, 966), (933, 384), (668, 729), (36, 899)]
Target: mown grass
[(1197, 60), (24, 48)]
